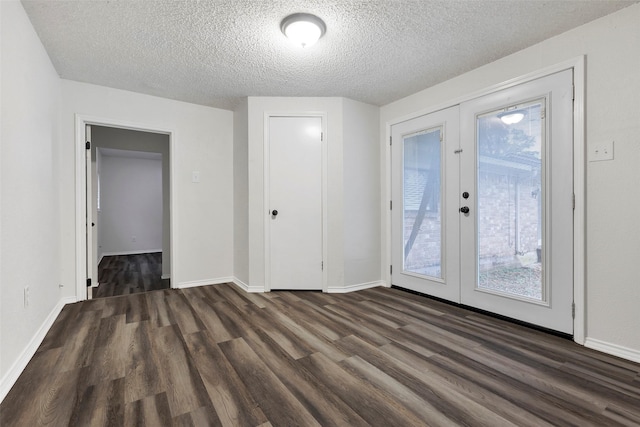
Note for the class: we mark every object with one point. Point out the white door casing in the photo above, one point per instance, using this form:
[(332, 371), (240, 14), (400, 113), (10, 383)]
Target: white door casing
[(83, 201), (294, 195), (90, 258)]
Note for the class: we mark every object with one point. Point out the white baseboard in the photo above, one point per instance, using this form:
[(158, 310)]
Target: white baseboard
[(138, 252), (250, 289), (165, 276), (613, 349), (356, 287), (192, 284), (10, 378)]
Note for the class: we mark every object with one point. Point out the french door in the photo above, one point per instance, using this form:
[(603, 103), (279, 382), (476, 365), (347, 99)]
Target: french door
[(491, 225), (425, 229)]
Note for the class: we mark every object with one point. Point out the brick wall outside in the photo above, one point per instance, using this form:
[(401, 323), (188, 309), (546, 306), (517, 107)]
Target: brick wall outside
[(496, 224)]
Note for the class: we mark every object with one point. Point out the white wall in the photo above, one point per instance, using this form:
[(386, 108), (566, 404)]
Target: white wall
[(29, 217), (612, 48), (241, 192), (130, 205), (124, 139), (362, 195), (202, 141)]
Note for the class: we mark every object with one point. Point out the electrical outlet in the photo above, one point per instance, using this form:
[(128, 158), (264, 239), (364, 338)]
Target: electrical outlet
[(601, 151), (26, 297)]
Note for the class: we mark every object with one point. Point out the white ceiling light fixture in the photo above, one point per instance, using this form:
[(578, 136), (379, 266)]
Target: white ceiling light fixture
[(511, 117), (303, 29)]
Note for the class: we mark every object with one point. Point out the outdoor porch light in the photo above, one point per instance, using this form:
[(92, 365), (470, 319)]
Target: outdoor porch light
[(303, 28), (511, 117)]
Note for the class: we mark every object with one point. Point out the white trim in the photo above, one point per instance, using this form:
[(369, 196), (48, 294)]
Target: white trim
[(138, 252), (10, 378), (266, 171), (356, 287), (205, 282), (81, 182), (580, 210), (250, 289), (576, 64), (387, 255), (613, 349)]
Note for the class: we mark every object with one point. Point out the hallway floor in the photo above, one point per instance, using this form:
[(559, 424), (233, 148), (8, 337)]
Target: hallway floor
[(130, 274)]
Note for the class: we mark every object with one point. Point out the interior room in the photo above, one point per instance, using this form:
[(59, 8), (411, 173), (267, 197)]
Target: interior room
[(418, 213)]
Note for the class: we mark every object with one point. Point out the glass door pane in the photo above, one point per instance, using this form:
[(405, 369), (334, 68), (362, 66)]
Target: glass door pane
[(425, 228), (510, 201), (422, 203)]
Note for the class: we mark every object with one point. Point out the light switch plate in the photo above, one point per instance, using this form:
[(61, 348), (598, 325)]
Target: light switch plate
[(601, 151)]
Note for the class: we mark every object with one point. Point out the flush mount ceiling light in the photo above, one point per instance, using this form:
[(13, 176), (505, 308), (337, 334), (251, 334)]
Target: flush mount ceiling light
[(303, 29), (511, 117)]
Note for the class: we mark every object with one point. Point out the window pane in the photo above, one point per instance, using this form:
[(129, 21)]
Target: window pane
[(510, 202), (422, 203)]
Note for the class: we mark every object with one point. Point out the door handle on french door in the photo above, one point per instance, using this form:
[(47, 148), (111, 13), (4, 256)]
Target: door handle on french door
[(274, 212), (464, 209)]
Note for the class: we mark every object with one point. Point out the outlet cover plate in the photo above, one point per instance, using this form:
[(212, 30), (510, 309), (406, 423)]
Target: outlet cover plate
[(601, 151)]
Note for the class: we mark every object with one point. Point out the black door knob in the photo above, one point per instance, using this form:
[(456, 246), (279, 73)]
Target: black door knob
[(465, 195), (274, 212), (464, 209)]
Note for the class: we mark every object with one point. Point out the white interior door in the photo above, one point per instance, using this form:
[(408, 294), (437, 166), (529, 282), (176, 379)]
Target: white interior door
[(295, 203), (425, 186), (517, 238)]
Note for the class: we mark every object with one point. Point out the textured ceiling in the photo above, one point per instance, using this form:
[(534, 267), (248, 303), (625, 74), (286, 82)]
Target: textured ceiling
[(216, 52)]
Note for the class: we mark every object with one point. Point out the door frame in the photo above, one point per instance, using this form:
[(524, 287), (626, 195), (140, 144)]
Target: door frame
[(81, 121), (577, 65), (267, 230)]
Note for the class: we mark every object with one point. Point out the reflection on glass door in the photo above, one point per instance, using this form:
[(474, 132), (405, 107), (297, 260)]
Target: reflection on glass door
[(510, 201), (422, 203)]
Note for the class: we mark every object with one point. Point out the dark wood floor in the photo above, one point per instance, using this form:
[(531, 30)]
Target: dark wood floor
[(218, 356), (130, 274)]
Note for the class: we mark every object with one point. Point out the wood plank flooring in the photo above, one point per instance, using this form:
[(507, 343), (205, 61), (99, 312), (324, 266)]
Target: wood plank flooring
[(130, 274), (217, 356)]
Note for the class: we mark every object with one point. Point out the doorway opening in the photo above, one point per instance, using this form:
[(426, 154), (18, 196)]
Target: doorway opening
[(130, 211), (124, 190)]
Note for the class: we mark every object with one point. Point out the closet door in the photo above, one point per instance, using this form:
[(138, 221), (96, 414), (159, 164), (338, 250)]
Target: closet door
[(295, 203)]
